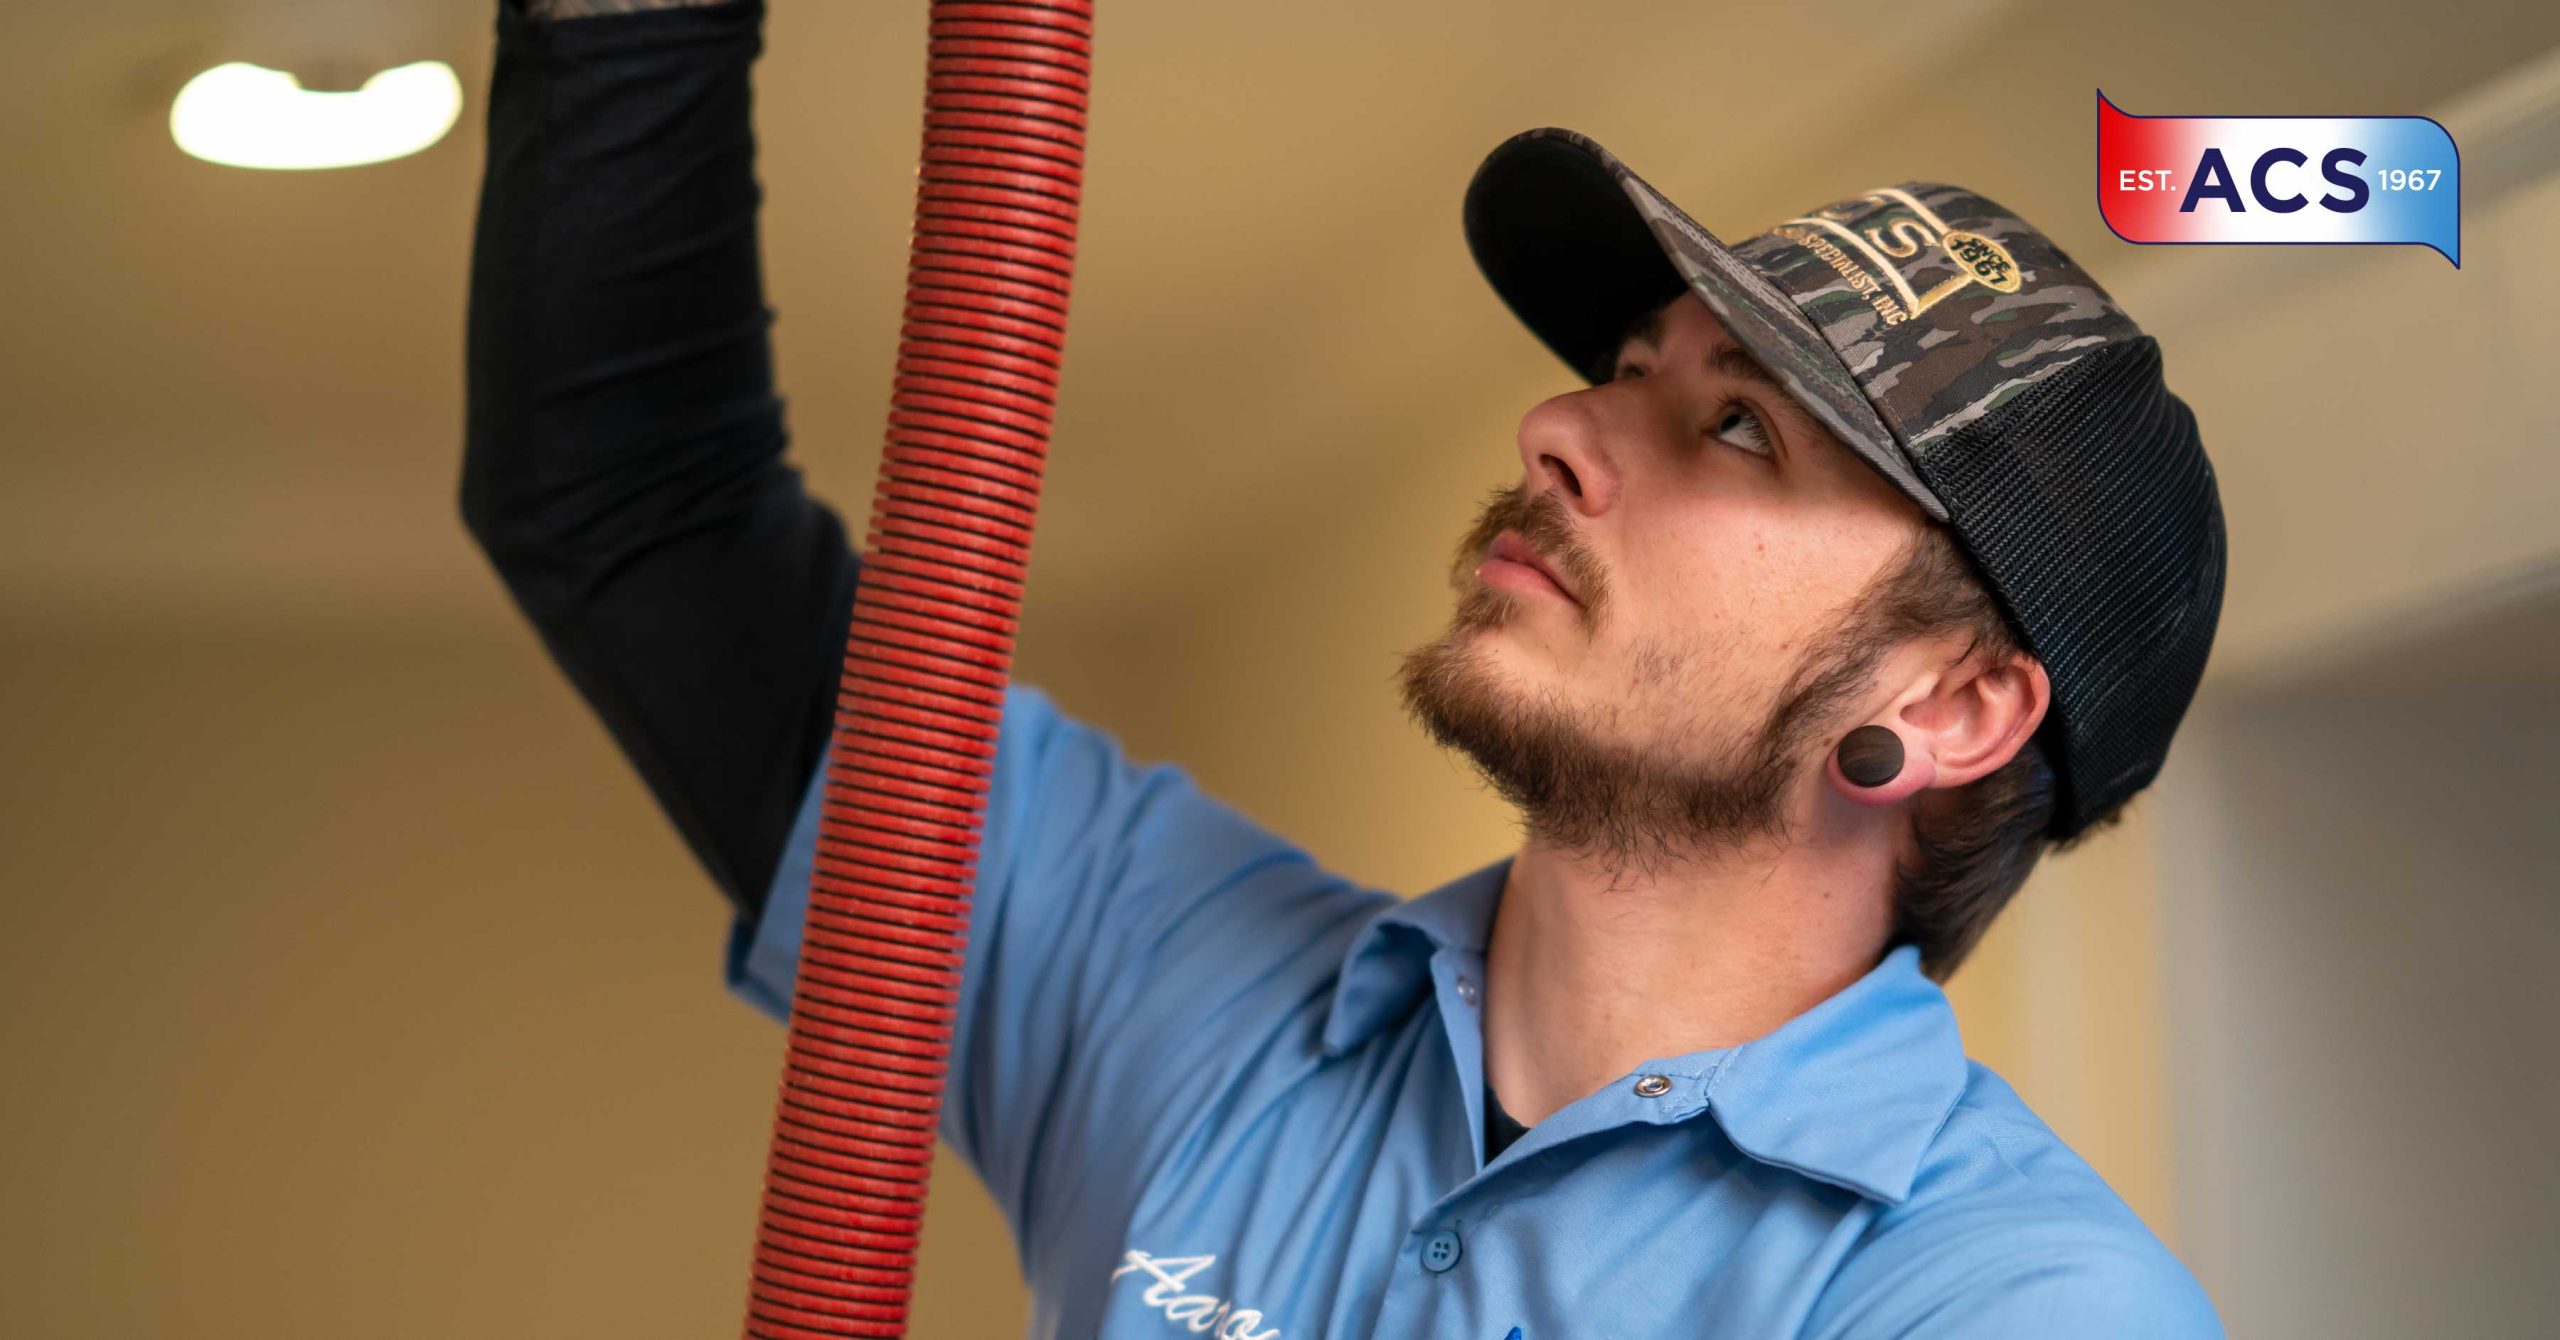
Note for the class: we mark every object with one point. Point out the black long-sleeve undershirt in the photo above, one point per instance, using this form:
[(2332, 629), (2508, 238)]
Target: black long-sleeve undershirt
[(623, 464)]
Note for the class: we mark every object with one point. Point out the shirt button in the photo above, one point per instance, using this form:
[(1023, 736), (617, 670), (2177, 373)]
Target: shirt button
[(1440, 1251), (1653, 1086), (1467, 990)]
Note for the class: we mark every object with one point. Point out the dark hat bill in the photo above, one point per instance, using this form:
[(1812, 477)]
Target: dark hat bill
[(1580, 248)]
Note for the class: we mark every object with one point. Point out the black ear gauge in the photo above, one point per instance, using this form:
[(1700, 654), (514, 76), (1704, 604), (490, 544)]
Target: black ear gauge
[(1871, 755)]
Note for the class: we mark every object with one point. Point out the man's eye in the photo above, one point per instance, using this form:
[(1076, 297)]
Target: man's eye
[(1741, 426)]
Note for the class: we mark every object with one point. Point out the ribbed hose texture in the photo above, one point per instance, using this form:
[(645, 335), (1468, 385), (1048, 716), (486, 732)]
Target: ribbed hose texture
[(926, 664)]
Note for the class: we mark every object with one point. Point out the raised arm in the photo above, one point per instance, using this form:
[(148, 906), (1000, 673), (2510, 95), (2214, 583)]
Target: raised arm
[(1131, 937), (623, 465)]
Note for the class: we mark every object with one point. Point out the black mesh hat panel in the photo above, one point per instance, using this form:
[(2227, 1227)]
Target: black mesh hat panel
[(2088, 504)]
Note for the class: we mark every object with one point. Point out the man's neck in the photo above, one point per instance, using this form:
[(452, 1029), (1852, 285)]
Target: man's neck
[(1591, 971)]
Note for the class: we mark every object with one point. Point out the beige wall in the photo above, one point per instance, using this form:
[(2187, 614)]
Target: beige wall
[(2362, 925), (352, 988)]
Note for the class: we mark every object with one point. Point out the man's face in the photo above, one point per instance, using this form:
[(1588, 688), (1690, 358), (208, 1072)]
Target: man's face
[(1714, 544)]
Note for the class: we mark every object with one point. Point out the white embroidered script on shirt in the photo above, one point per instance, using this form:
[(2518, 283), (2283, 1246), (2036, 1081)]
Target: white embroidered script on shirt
[(1199, 1312)]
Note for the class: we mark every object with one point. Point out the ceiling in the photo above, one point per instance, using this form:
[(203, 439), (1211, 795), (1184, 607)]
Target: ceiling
[(228, 394)]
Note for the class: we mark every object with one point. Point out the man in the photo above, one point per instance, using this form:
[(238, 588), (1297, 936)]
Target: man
[(1876, 558)]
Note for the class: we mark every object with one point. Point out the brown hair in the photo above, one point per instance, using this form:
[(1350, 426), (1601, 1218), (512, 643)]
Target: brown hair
[(1972, 846)]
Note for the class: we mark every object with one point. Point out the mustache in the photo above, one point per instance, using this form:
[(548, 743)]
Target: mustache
[(1546, 523)]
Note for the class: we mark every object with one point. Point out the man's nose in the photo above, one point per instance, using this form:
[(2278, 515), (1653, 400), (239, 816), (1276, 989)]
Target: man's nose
[(1569, 443)]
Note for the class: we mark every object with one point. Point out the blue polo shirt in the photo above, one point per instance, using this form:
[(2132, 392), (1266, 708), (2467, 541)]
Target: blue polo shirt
[(1218, 1090)]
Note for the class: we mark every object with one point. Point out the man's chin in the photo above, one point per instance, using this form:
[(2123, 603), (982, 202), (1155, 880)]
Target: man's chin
[(1574, 790), (1466, 692)]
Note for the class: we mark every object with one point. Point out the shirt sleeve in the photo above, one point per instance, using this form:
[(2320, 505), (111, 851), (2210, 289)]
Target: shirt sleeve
[(1134, 943)]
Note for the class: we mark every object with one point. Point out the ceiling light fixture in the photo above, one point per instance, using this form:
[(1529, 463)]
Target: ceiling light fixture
[(248, 116)]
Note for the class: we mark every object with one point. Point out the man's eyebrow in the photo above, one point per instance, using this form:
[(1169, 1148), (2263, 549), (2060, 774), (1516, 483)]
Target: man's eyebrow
[(1729, 360), (1727, 357), (1736, 362)]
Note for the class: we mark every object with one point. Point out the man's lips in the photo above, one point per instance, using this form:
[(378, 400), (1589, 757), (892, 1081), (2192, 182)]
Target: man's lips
[(1509, 561)]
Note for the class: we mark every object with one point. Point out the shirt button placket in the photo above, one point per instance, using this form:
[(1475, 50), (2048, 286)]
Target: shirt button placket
[(1440, 1251)]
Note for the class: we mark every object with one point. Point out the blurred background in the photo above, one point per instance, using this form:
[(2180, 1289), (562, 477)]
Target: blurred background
[(350, 982)]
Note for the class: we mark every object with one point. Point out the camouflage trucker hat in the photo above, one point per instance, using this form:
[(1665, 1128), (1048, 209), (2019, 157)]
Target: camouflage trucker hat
[(1966, 357)]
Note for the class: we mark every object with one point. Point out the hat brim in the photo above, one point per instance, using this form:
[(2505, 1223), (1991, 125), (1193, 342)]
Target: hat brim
[(1580, 247)]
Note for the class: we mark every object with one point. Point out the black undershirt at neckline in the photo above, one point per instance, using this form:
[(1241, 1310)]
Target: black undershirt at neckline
[(1499, 1129)]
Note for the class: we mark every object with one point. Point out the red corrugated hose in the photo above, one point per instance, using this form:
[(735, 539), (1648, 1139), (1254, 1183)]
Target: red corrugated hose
[(988, 272)]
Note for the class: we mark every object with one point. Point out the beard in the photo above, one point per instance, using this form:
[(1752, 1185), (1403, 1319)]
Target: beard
[(1626, 807)]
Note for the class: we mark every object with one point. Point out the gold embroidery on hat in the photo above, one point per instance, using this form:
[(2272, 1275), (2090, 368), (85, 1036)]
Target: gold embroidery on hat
[(1978, 259), (1986, 259), (1884, 267), (1912, 203), (1909, 235), (1860, 280)]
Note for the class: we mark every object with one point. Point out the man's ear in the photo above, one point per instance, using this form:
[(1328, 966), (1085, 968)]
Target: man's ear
[(1978, 715)]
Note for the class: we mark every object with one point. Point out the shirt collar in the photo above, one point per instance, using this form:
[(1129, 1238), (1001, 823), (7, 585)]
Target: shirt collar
[(1388, 966), (1850, 1092)]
